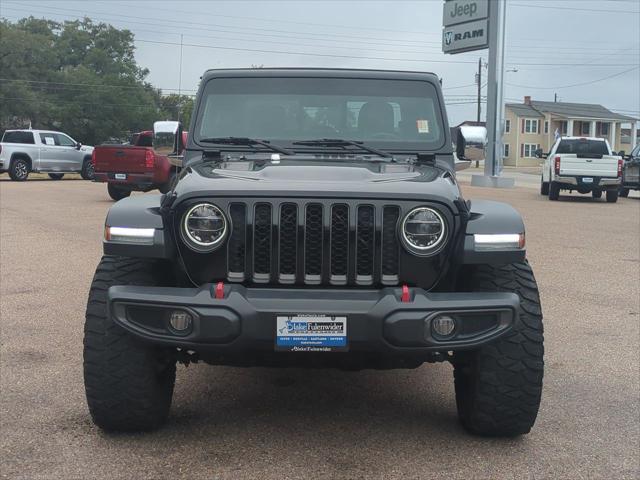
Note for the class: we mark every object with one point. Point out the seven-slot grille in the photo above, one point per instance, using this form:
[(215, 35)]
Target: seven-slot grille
[(313, 243)]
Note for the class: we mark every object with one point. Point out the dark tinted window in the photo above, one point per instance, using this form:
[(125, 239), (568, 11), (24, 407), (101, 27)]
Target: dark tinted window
[(583, 146), (18, 137), (391, 113)]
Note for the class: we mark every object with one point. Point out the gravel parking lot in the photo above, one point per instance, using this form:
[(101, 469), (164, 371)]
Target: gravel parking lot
[(263, 423)]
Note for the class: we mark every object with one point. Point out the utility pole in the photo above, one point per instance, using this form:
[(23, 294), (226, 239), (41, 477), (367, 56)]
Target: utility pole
[(555, 98), (180, 78), (479, 80)]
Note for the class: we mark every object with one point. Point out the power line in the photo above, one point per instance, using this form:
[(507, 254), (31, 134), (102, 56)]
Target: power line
[(573, 9), (575, 84)]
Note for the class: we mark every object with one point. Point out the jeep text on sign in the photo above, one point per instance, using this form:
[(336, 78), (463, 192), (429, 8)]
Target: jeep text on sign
[(460, 11), (466, 37)]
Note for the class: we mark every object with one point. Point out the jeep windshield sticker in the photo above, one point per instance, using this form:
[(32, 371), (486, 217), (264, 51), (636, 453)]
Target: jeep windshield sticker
[(423, 126), (311, 333)]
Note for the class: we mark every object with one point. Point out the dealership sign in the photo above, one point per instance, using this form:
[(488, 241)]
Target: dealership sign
[(466, 25)]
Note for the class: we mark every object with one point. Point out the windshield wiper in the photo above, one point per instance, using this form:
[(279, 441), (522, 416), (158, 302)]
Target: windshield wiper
[(246, 141), (339, 142)]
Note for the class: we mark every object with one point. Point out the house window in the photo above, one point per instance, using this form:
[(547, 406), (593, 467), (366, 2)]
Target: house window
[(528, 150), (585, 128), (604, 128), (506, 150), (563, 128), (530, 126), (507, 126), (546, 127)]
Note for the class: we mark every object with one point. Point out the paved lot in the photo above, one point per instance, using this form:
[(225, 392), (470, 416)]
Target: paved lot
[(261, 423)]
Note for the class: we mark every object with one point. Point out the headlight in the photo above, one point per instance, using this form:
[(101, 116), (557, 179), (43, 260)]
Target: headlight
[(423, 231), (204, 227)]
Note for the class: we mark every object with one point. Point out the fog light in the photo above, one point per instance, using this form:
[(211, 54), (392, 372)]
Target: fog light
[(180, 320), (443, 325)]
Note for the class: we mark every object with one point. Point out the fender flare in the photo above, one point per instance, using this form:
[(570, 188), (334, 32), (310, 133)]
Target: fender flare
[(23, 155), (487, 217)]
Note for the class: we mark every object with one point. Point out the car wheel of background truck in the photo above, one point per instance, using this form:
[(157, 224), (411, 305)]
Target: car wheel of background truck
[(499, 387), (597, 193), (56, 176), (117, 193), (19, 169), (544, 187), (554, 191), (624, 192), (612, 196), (87, 172), (129, 385), (166, 187)]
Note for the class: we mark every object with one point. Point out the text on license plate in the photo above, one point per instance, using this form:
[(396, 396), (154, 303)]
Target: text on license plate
[(311, 333), (587, 180), (121, 176)]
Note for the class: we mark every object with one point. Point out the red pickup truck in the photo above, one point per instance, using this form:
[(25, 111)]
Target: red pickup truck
[(132, 167)]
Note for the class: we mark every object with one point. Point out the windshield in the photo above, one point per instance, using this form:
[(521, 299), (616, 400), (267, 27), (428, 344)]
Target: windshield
[(391, 114)]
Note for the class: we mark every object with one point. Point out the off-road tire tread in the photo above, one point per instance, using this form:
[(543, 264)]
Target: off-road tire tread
[(117, 193), (128, 385), (499, 387)]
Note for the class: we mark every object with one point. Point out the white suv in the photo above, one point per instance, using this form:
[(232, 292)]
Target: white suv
[(45, 151)]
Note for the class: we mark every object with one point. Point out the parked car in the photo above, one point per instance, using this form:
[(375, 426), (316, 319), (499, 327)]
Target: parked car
[(583, 164), (133, 167), (43, 151), (280, 246), (630, 172)]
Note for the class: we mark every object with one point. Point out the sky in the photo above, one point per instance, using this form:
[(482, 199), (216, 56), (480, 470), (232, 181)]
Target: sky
[(584, 51)]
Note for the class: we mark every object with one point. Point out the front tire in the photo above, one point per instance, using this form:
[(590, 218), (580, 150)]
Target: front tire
[(19, 170), (554, 191), (597, 193), (612, 196), (499, 387), (56, 176), (117, 193), (129, 385), (624, 192), (87, 172)]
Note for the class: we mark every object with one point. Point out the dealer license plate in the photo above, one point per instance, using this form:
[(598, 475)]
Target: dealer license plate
[(311, 333), (121, 176), (587, 180)]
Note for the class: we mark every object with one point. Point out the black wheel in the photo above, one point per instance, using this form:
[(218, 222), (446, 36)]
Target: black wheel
[(597, 193), (554, 191), (117, 193), (612, 196), (544, 187), (87, 172), (499, 387), (624, 192), (19, 169), (56, 176), (129, 385)]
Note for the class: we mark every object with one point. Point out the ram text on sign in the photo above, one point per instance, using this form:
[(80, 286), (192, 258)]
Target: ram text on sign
[(460, 11), (466, 37)]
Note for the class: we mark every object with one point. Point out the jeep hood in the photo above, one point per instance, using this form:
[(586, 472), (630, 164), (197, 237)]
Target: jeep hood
[(313, 179)]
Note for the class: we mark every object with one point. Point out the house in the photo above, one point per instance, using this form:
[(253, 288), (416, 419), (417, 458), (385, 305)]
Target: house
[(533, 124)]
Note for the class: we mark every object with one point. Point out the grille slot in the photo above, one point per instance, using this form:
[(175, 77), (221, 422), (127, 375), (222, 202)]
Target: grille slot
[(390, 245), (365, 241), (313, 244), (288, 242), (237, 242), (262, 243), (339, 244)]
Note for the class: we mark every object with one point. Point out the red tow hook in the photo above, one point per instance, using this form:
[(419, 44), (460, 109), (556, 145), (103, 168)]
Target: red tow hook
[(405, 297), (219, 291)]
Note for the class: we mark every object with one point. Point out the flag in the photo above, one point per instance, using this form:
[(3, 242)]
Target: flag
[(556, 134)]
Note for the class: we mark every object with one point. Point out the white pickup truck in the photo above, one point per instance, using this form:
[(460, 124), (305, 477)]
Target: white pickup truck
[(584, 164)]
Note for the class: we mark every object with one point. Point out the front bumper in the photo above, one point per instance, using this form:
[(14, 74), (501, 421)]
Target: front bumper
[(244, 320)]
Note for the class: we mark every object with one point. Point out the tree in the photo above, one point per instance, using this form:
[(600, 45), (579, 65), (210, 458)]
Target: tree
[(77, 76), (177, 107)]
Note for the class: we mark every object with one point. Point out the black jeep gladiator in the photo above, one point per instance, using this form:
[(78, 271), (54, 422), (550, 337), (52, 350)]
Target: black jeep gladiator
[(316, 222)]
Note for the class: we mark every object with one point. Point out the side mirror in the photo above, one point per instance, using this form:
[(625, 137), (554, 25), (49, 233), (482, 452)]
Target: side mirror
[(78, 146), (168, 141), (471, 143)]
